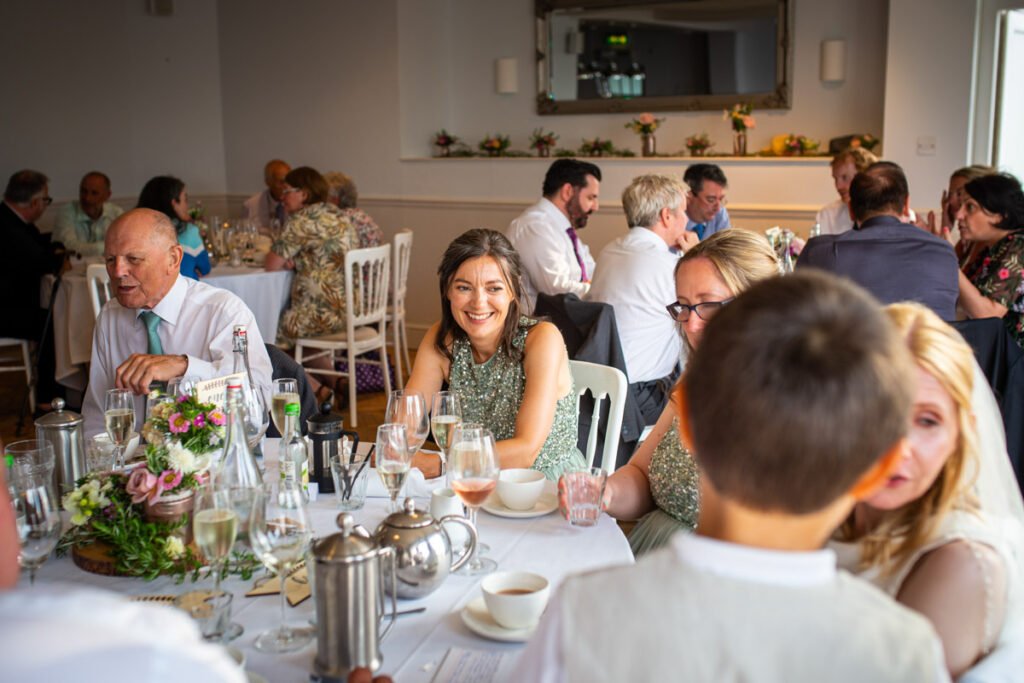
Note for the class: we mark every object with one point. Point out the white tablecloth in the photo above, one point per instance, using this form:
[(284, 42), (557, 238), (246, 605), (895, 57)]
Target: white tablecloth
[(266, 294), (418, 643)]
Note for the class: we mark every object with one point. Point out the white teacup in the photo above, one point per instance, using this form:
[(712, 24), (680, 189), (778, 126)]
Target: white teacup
[(519, 489), (516, 600), (444, 502)]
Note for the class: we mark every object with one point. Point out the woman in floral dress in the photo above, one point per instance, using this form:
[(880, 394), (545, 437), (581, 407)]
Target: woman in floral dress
[(992, 282), (313, 243)]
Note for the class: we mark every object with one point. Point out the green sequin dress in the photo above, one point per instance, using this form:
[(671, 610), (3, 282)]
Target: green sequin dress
[(676, 492), (492, 391)]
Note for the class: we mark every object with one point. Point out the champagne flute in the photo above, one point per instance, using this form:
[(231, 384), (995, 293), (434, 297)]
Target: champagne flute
[(445, 417), (394, 458), (119, 418), (286, 390), (37, 519), (280, 533), (473, 472), (214, 529), (410, 409)]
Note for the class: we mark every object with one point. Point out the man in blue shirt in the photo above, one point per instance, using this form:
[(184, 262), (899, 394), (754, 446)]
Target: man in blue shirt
[(81, 226), (705, 208)]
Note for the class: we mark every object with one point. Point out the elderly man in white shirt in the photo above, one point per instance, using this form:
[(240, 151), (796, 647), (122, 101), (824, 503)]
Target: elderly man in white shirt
[(636, 275), (555, 260), (161, 325), (265, 207)]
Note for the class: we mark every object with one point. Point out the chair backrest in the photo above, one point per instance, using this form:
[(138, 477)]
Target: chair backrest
[(366, 297), (99, 286), (603, 382), (400, 268)]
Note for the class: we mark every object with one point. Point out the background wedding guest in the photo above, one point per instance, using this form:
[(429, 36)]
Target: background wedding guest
[(834, 218), (169, 195), (934, 537), (705, 207), (164, 325), (265, 207), (81, 225), (636, 275), (800, 400), (343, 194), (313, 243), (555, 260), (26, 257), (890, 258), (991, 284), (511, 372), (93, 636), (659, 485), (952, 199)]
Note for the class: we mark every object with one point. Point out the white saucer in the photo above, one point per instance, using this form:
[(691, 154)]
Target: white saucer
[(546, 504), (478, 620)]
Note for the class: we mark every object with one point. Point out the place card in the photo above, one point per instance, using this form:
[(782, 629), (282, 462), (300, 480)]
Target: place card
[(215, 390), (296, 587), (468, 666)]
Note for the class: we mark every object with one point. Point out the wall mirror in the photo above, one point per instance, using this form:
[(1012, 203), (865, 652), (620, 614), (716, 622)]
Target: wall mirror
[(597, 56)]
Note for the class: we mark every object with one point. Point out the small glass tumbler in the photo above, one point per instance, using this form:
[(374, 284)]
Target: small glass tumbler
[(584, 490), (210, 609), (350, 481)]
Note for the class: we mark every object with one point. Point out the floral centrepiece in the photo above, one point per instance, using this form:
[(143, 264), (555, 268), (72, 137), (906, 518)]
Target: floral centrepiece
[(543, 141), (494, 145), (113, 508), (698, 145)]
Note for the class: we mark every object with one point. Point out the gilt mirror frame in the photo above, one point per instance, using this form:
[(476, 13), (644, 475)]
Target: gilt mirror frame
[(779, 98)]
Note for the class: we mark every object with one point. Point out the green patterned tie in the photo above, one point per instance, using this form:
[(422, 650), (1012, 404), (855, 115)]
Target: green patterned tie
[(151, 320)]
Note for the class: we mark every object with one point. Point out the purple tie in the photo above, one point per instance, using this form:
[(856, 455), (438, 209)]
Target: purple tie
[(571, 231)]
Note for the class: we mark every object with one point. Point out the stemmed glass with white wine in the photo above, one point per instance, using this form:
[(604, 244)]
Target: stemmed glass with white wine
[(473, 472), (280, 532), (394, 458), (119, 418), (410, 409), (214, 530), (445, 417), (286, 390)]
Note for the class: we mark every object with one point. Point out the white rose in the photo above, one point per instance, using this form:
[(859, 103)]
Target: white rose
[(174, 547), (180, 458)]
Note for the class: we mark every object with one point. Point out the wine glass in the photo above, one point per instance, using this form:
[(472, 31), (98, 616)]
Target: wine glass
[(214, 530), (119, 418), (184, 385), (410, 409), (280, 533), (37, 519), (286, 390), (445, 417), (473, 471), (394, 458)]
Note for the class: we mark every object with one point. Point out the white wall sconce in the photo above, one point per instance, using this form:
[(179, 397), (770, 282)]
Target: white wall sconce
[(833, 61), (506, 76)]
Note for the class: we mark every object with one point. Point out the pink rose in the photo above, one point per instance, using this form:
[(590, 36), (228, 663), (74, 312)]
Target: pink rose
[(199, 422), (646, 119), (168, 480), (178, 423), (1004, 273), (748, 121), (216, 417), (141, 484)]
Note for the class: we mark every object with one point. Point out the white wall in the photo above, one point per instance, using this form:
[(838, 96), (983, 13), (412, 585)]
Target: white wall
[(102, 85)]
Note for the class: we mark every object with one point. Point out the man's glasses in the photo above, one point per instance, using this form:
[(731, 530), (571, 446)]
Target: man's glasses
[(47, 200), (706, 310)]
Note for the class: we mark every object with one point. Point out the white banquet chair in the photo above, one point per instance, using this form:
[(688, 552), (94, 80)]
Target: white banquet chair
[(99, 286), (24, 364), (400, 256), (603, 382), (366, 306)]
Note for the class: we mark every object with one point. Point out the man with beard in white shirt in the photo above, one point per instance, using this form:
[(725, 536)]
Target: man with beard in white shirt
[(636, 275), (555, 260)]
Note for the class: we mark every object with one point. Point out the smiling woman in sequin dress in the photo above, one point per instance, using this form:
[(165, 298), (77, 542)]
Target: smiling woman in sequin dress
[(510, 371), (659, 484)]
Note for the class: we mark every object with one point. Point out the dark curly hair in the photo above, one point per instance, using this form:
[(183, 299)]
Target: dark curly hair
[(999, 193), (469, 245)]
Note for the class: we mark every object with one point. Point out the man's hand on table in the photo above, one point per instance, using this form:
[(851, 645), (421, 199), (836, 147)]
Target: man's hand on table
[(141, 369), (428, 463)]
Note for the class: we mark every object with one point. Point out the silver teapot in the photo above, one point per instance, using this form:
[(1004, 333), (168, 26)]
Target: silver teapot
[(63, 430), (423, 549), (348, 576)]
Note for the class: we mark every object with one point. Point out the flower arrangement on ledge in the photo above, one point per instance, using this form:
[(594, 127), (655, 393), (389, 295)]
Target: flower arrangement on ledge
[(645, 124), (444, 141), (740, 117), (698, 145), (597, 147), (140, 517), (494, 145), (543, 141), (790, 144), (867, 141)]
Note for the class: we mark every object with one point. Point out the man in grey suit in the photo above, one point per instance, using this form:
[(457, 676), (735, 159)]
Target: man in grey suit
[(893, 260)]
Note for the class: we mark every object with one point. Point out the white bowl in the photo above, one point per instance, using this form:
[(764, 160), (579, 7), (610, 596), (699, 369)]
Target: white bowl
[(519, 489), (515, 599)]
